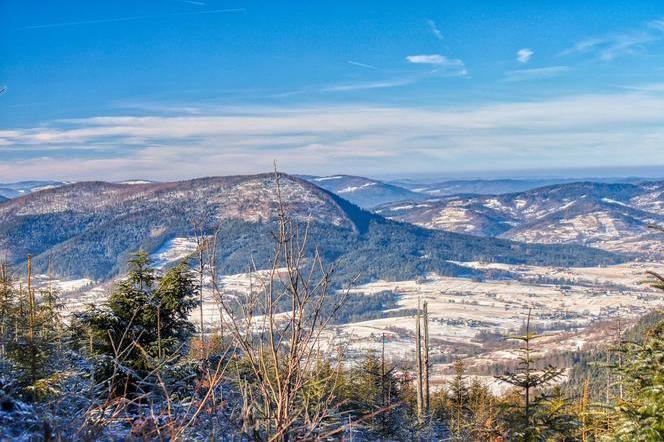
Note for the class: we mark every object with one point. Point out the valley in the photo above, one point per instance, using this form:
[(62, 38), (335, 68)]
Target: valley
[(469, 318)]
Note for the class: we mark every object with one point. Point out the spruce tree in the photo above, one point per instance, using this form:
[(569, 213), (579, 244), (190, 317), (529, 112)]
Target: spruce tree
[(458, 393), (641, 410), (143, 324), (529, 380)]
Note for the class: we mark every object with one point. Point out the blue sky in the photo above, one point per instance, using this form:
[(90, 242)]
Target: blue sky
[(179, 88)]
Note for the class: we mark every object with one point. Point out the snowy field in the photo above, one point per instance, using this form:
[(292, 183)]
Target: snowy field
[(459, 309)]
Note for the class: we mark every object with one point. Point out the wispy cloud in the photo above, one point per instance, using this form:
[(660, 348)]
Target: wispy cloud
[(536, 73), (86, 22), (648, 87), (435, 59), (435, 30), (524, 55), (611, 46), (365, 85), (568, 131), (130, 18), (362, 65)]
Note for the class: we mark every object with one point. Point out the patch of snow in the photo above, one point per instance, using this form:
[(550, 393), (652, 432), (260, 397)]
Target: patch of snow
[(73, 284), (327, 178), (37, 189), (134, 182), (173, 250), (406, 207), (565, 206), (609, 200), (354, 188), (520, 204)]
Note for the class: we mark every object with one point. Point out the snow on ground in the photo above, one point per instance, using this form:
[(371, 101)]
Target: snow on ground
[(62, 286), (610, 201), (594, 227), (136, 182), (456, 219), (460, 309), (350, 189), (406, 207), (327, 178), (173, 250)]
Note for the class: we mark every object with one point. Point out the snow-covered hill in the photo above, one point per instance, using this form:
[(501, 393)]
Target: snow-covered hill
[(365, 192), (88, 230), (608, 216), (14, 190)]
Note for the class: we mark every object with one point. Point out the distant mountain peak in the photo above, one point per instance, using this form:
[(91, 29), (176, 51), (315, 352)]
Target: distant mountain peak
[(365, 192)]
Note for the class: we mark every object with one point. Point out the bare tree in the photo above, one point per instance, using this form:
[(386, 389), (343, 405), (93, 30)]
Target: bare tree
[(203, 245), (278, 328)]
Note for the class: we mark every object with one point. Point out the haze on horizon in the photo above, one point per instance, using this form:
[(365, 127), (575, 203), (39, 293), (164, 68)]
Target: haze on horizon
[(178, 89)]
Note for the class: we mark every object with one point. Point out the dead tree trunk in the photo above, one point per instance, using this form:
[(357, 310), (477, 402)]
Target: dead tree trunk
[(418, 355), (426, 358), (31, 323)]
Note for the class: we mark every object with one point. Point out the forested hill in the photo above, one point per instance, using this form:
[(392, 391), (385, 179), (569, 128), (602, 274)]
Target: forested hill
[(88, 229), (611, 216)]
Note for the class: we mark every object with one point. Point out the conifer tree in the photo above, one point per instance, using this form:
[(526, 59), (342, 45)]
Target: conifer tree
[(481, 405), (144, 321), (8, 308), (529, 380), (458, 401), (374, 389), (641, 412), (29, 329)]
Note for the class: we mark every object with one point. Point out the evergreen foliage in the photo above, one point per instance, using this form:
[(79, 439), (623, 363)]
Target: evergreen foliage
[(143, 323)]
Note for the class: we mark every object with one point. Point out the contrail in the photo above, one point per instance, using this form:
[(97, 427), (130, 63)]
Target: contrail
[(362, 65), (131, 18)]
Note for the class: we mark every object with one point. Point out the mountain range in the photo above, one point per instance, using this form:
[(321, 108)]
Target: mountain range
[(14, 190), (608, 216), (88, 229), (364, 192), (478, 186)]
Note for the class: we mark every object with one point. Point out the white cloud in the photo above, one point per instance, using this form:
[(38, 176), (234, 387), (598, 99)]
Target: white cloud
[(434, 29), (536, 73), (435, 59), (523, 55), (583, 131)]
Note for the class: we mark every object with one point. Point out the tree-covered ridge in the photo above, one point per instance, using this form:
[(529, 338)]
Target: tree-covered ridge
[(90, 229)]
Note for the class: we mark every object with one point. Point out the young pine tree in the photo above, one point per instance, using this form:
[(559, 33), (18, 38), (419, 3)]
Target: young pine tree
[(143, 325), (529, 380), (458, 397)]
